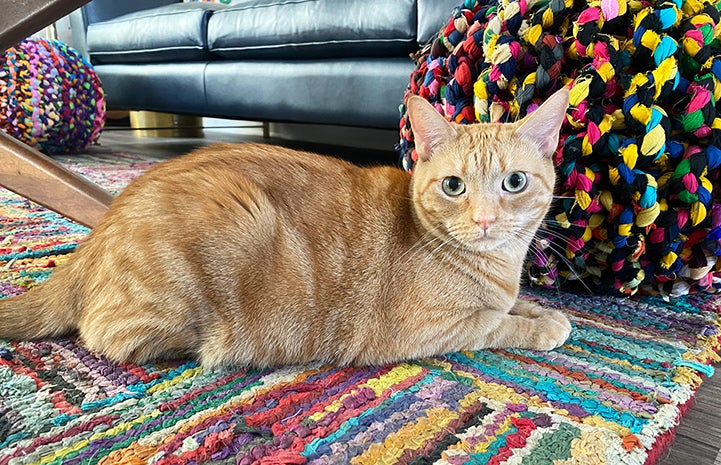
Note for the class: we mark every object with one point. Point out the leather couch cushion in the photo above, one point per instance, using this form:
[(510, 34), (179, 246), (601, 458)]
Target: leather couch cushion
[(432, 16), (332, 91), (295, 29), (104, 10), (327, 91), (174, 32), (166, 87)]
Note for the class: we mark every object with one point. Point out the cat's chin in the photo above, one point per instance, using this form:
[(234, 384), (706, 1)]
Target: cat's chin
[(485, 244)]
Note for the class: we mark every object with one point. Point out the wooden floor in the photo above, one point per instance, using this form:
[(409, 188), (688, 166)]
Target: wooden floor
[(698, 437)]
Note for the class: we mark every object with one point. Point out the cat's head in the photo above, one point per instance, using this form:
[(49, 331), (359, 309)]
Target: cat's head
[(483, 187)]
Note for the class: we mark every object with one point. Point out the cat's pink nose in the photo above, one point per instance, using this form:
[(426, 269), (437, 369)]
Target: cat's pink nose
[(485, 221)]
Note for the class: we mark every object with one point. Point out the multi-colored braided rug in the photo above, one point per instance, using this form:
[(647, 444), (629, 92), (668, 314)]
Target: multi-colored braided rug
[(50, 96), (612, 395)]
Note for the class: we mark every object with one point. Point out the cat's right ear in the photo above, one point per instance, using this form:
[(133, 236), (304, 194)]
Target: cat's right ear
[(430, 129)]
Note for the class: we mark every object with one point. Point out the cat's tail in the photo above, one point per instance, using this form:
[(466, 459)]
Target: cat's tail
[(50, 309)]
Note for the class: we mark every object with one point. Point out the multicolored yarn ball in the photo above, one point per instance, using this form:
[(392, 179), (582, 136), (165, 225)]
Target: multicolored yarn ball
[(639, 155), (50, 97)]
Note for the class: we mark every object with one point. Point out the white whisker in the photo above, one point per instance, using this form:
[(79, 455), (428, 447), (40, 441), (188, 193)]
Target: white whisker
[(556, 253)]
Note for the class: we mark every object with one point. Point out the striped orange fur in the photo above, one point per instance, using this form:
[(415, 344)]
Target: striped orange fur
[(270, 256)]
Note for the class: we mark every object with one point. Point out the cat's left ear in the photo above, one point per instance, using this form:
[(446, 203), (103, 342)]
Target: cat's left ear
[(430, 129), (542, 127)]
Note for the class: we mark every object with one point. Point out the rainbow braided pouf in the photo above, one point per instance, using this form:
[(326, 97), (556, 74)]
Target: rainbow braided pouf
[(612, 394), (639, 156), (50, 97)]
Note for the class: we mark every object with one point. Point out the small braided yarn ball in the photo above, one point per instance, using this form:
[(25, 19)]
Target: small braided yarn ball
[(639, 155), (50, 97)]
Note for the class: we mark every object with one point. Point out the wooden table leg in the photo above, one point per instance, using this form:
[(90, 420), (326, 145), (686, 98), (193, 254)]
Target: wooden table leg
[(31, 174), (21, 19)]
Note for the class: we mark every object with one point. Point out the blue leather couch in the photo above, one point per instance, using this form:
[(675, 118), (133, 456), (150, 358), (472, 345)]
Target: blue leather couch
[(342, 62)]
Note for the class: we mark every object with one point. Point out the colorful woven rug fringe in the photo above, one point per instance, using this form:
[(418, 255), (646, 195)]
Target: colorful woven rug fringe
[(639, 156), (613, 394)]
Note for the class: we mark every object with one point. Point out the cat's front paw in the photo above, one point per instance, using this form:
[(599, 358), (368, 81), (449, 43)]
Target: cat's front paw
[(559, 318), (550, 331)]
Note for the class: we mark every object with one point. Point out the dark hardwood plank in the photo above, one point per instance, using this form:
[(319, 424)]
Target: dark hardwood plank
[(691, 453), (698, 436)]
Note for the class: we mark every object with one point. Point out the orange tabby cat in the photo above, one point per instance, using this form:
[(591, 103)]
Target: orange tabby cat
[(259, 255)]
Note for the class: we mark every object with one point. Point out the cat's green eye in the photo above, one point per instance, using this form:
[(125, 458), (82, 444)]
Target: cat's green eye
[(453, 186), (515, 182)]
